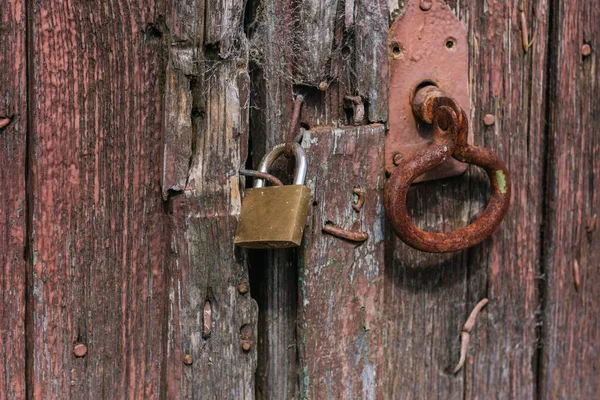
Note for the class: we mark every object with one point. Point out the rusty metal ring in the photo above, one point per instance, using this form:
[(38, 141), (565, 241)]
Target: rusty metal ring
[(450, 139)]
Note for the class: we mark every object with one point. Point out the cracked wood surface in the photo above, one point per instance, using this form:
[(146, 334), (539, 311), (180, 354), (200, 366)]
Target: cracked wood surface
[(207, 108)]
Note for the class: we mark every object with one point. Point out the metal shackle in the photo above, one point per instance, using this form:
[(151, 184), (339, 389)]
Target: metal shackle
[(270, 157)]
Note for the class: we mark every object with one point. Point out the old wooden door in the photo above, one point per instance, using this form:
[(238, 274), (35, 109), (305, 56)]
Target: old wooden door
[(123, 125)]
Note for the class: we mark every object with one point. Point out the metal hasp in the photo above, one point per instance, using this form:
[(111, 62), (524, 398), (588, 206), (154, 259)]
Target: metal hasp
[(426, 45), (450, 128)]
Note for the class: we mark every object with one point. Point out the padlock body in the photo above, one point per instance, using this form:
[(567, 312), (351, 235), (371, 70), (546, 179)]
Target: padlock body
[(273, 217)]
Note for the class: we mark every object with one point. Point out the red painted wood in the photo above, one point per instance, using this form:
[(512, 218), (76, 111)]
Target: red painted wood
[(341, 307), (97, 221), (571, 313), (13, 202), (504, 345)]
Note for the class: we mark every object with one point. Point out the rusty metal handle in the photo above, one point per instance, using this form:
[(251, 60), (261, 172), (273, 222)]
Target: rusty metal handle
[(449, 139)]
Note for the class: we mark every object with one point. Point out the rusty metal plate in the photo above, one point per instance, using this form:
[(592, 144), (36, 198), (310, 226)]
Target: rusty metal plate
[(424, 47)]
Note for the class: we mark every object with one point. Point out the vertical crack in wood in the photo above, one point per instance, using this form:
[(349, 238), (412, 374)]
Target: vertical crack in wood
[(28, 248), (538, 363)]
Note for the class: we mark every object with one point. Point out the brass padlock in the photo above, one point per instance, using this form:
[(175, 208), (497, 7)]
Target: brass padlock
[(274, 216)]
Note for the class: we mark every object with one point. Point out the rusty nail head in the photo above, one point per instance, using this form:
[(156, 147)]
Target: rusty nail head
[(80, 350), (397, 158), (188, 360), (243, 287), (4, 122), (425, 5), (246, 345), (489, 120), (586, 50)]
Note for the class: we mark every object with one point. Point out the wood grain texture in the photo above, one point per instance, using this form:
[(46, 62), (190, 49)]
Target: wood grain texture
[(340, 330), (430, 296), (571, 330), (209, 319), (371, 52), (13, 202), (97, 241)]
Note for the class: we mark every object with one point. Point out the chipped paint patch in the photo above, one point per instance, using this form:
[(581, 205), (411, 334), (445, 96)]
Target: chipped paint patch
[(501, 181)]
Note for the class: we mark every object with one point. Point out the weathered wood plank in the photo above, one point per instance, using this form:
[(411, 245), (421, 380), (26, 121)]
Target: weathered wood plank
[(97, 240), (371, 37), (340, 329), (212, 324), (314, 32), (571, 330), (504, 349), (13, 201), (434, 294)]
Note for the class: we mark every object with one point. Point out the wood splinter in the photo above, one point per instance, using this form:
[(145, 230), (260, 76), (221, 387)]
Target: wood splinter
[(466, 333)]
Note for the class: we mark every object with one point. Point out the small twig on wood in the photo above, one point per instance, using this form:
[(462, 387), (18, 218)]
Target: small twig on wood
[(466, 332)]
